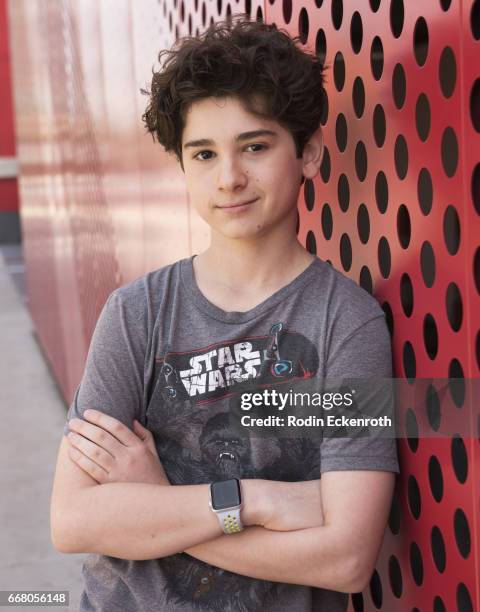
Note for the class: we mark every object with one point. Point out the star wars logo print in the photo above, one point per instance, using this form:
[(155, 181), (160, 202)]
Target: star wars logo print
[(223, 368)]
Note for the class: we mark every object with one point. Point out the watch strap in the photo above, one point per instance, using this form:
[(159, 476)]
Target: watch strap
[(230, 520)]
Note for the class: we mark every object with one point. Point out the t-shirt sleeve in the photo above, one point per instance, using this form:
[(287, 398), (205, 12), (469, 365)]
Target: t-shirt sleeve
[(364, 353), (112, 381)]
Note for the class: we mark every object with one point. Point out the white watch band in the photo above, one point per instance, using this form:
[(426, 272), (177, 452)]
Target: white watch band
[(230, 520)]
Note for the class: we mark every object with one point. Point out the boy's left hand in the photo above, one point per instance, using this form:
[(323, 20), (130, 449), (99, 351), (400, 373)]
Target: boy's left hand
[(110, 452)]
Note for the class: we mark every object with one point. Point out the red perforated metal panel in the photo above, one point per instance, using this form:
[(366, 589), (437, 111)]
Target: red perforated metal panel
[(393, 210), (396, 208)]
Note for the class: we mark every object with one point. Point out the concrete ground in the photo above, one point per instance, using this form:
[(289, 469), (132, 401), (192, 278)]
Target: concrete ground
[(32, 419)]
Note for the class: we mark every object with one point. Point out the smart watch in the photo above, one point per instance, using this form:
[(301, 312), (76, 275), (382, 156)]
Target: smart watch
[(226, 502)]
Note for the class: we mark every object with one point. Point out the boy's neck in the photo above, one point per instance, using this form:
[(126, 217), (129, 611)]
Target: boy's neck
[(250, 269)]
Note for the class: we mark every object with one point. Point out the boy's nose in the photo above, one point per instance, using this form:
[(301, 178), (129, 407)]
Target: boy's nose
[(231, 175)]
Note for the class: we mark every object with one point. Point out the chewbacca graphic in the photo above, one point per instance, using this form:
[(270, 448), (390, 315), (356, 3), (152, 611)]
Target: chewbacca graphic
[(224, 454)]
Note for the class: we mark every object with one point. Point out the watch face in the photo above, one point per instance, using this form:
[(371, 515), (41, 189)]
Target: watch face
[(225, 494)]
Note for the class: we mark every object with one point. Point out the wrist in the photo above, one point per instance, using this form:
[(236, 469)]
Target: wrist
[(255, 502)]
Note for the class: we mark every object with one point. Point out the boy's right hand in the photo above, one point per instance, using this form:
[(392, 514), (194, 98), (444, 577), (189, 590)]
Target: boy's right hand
[(283, 506), (109, 451)]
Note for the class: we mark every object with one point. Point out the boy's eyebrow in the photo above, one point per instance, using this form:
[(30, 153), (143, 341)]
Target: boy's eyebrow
[(204, 142)]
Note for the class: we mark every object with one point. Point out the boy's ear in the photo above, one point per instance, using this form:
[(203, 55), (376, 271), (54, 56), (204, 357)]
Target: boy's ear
[(313, 154)]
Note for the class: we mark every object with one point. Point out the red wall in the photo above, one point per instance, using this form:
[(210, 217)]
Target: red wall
[(8, 186), (396, 208)]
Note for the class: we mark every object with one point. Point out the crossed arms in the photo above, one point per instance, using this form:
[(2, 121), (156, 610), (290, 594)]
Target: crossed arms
[(111, 496)]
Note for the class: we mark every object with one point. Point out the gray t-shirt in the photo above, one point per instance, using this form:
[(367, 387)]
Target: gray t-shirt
[(164, 354)]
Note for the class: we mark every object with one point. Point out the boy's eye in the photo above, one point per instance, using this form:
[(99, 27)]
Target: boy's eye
[(200, 155), (197, 156), (257, 144)]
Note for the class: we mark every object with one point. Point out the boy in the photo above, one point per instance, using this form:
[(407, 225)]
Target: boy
[(241, 107)]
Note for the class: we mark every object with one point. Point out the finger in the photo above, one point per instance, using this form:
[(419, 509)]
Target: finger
[(92, 451), (141, 431), (97, 435), (88, 466), (115, 427), (145, 435)]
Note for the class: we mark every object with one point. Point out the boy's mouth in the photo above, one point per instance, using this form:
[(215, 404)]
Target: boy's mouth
[(238, 205)]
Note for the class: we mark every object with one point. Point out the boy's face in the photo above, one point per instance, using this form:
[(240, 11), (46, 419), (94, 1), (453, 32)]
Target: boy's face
[(243, 185)]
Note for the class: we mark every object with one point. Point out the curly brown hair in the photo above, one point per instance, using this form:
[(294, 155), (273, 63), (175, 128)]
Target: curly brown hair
[(241, 58)]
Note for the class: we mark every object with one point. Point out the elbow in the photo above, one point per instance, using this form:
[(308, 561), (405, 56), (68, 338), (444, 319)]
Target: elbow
[(61, 545), (359, 576), (351, 576), (64, 534), (59, 540)]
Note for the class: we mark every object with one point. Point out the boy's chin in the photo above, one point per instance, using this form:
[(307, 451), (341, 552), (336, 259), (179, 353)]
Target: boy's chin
[(250, 232)]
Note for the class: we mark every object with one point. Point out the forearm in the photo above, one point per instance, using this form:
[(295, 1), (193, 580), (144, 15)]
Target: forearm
[(140, 521), (315, 557)]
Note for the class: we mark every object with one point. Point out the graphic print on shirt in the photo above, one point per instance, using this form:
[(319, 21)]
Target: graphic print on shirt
[(211, 372), (221, 455), (212, 589), (189, 417)]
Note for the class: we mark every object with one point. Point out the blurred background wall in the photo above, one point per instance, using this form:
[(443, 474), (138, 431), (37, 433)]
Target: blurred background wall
[(396, 208), (9, 213)]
